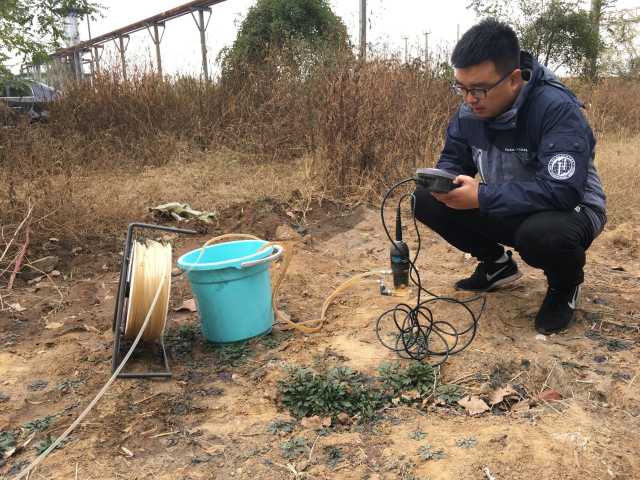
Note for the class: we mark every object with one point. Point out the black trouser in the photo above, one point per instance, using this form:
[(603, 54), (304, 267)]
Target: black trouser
[(554, 241)]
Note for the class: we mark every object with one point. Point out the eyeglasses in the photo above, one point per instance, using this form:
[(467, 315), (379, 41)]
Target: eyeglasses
[(477, 93)]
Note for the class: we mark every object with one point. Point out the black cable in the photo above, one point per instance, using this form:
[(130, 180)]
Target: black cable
[(417, 329)]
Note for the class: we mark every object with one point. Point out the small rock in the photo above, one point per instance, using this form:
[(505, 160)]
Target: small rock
[(550, 395), (55, 273), (541, 338), (3, 397), (600, 359), (313, 423), (343, 418), (53, 325), (16, 307), (599, 301), (365, 227), (285, 232), (76, 250), (34, 280)]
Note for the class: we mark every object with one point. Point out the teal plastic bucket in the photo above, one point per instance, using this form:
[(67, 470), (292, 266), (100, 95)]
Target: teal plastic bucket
[(232, 288)]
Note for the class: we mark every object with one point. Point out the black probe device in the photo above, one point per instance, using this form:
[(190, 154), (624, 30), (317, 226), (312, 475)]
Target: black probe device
[(434, 180), (399, 255)]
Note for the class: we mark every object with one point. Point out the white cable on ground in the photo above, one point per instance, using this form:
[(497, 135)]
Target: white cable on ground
[(145, 262), (104, 389)]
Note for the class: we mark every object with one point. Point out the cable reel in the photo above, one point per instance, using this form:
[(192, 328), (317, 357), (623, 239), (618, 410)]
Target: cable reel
[(146, 268)]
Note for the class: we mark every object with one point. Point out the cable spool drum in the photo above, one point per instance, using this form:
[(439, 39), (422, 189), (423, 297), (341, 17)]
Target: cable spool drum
[(151, 262)]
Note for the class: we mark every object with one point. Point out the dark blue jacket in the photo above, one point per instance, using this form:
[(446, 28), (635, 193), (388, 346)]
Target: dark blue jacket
[(536, 156)]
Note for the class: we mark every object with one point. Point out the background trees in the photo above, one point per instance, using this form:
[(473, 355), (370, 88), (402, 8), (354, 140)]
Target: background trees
[(29, 29)]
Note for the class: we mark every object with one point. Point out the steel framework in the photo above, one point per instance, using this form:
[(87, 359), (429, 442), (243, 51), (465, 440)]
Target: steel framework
[(155, 25)]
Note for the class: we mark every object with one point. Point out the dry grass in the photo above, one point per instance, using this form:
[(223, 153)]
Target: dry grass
[(617, 161), (345, 130)]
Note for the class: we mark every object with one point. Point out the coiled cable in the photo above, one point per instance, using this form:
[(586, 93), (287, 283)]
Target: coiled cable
[(414, 332)]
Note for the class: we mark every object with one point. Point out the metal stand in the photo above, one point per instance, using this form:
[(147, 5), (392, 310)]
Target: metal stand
[(122, 302)]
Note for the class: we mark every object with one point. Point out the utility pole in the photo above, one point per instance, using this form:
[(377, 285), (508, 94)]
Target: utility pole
[(156, 37), (406, 50), (426, 49), (202, 28), (121, 46), (363, 30), (458, 34)]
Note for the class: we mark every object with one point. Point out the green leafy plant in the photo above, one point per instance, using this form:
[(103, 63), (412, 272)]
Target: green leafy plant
[(39, 424), (68, 385), (231, 355), (416, 376), (278, 426), (275, 338), (182, 340), (427, 452), (469, 442), (45, 443), (306, 393), (417, 435), (7, 441), (449, 394), (30, 28), (294, 448), (334, 455)]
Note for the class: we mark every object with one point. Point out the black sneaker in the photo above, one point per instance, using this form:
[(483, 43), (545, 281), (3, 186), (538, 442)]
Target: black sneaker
[(490, 275), (558, 310)]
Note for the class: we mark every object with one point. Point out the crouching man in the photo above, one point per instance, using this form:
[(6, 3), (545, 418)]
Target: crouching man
[(523, 133)]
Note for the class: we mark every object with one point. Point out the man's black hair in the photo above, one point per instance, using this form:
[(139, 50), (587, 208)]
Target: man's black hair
[(488, 40)]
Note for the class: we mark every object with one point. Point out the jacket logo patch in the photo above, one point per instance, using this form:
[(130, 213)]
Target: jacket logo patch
[(562, 166)]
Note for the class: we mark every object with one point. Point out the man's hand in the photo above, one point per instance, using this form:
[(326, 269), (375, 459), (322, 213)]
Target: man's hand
[(465, 197)]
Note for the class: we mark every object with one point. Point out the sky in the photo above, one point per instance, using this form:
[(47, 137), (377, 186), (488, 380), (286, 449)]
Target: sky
[(389, 21)]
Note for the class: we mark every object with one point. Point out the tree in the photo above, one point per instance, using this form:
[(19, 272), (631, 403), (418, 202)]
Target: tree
[(298, 30), (559, 33), (30, 29)]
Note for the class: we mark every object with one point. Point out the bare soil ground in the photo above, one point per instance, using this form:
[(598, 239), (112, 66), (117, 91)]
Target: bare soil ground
[(220, 416)]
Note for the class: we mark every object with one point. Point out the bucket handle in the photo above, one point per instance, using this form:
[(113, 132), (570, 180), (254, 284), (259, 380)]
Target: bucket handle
[(274, 256)]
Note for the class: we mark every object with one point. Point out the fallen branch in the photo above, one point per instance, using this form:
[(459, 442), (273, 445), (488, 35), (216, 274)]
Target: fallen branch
[(15, 234), (19, 259)]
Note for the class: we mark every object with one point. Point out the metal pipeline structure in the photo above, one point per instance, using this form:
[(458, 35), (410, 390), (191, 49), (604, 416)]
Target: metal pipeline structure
[(90, 51)]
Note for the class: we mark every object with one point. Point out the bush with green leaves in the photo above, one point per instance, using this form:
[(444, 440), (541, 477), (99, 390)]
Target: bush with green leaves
[(416, 376), (30, 29), (307, 393), (291, 33), (294, 448), (449, 394), (7, 442)]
